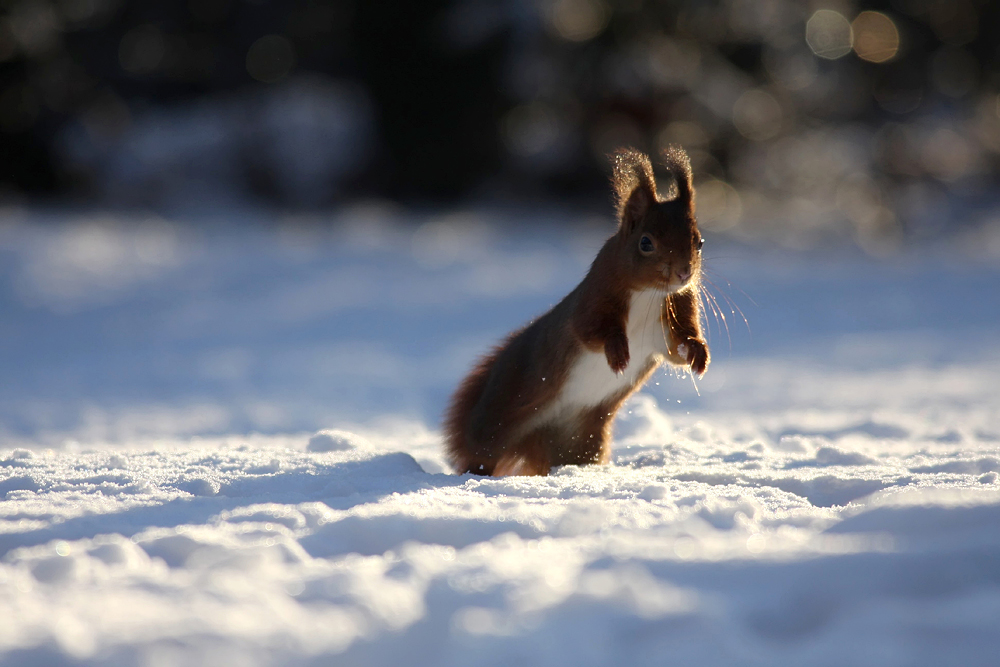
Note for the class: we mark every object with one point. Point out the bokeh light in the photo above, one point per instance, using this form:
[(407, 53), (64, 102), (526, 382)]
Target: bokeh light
[(791, 68), (757, 115), (955, 22), (719, 205), (141, 49), (876, 38), (35, 27), (613, 131), (673, 64), (530, 129), (579, 20), (685, 133), (860, 199), (954, 71), (829, 34), (947, 155), (899, 90), (270, 58)]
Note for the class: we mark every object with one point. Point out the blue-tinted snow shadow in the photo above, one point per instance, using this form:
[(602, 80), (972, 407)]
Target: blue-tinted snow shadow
[(753, 611), (341, 485)]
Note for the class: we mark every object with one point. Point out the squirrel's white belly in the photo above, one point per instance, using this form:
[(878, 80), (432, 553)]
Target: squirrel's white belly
[(591, 381)]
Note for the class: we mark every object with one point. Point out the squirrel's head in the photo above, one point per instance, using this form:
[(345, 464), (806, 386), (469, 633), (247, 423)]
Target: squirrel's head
[(658, 237)]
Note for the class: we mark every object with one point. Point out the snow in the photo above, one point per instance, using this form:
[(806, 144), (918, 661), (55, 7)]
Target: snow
[(220, 445)]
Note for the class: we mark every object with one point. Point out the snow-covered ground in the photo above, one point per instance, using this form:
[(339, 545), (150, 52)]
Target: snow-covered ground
[(169, 493)]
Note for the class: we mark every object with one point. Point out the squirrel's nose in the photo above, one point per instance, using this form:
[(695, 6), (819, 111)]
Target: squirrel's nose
[(683, 274)]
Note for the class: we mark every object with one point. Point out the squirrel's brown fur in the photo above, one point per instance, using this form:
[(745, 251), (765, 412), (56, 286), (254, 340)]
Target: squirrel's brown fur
[(520, 410)]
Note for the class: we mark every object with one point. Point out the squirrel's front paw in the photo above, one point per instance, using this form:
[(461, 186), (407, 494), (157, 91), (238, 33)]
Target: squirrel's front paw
[(695, 354), (616, 350)]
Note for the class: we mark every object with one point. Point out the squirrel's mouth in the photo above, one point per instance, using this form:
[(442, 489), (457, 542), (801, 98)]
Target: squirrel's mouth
[(674, 287), (669, 287), (671, 282)]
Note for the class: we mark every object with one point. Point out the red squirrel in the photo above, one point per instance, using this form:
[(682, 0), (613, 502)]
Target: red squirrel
[(548, 394)]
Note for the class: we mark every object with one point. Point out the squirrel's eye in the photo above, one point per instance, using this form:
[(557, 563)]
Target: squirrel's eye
[(699, 243), (645, 244)]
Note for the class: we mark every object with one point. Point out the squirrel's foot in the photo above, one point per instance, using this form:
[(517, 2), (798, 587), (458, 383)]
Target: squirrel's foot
[(616, 351), (694, 352)]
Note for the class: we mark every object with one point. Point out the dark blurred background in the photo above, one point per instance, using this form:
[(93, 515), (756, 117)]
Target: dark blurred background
[(877, 121)]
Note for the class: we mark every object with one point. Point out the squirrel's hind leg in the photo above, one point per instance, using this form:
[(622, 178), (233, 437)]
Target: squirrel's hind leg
[(529, 456)]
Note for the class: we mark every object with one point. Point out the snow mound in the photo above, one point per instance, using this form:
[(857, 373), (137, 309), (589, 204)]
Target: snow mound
[(335, 440), (702, 542)]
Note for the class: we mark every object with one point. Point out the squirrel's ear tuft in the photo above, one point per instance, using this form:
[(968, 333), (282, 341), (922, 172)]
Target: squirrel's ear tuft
[(635, 187), (679, 164)]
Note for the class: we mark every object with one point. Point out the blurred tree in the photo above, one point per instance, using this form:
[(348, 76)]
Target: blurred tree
[(869, 116), (438, 101)]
